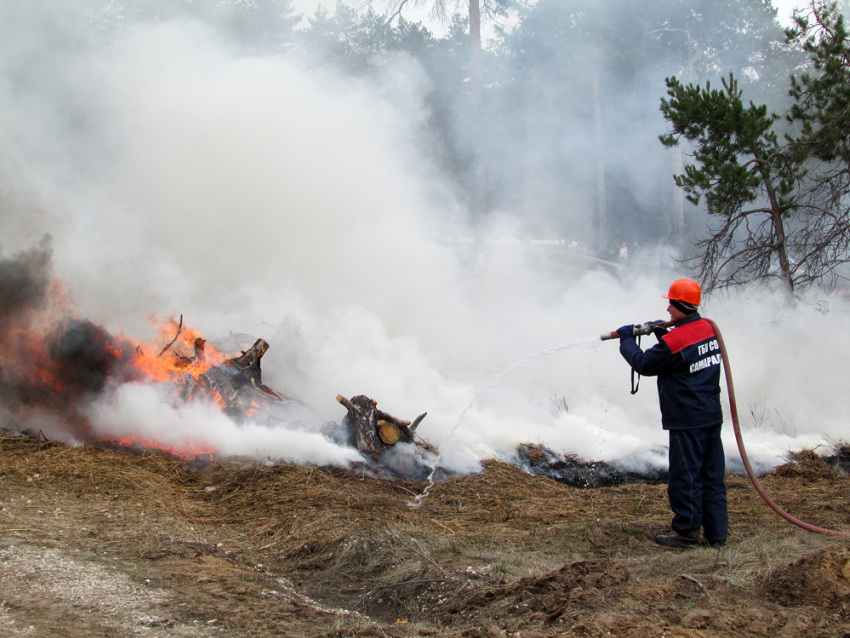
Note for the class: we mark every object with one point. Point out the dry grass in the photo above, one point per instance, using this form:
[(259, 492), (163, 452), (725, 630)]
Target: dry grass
[(521, 523), (149, 471), (357, 541)]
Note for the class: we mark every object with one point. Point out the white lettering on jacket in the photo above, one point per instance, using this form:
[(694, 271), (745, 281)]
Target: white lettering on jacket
[(702, 364), (708, 347)]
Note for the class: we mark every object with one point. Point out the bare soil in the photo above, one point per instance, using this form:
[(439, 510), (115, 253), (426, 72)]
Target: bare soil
[(104, 543)]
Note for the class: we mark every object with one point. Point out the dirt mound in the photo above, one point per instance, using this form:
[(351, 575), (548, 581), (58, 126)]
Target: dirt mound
[(821, 579), (587, 584)]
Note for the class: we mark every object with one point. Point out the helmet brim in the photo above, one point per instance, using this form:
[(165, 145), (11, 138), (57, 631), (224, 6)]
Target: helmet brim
[(677, 299)]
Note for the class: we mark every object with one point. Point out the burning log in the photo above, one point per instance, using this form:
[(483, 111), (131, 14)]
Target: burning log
[(176, 336), (182, 361), (237, 383)]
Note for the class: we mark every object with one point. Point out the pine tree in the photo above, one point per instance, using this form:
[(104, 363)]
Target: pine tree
[(742, 174), (822, 96), (780, 208)]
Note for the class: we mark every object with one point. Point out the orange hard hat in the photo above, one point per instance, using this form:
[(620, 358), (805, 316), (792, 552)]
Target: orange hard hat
[(686, 290)]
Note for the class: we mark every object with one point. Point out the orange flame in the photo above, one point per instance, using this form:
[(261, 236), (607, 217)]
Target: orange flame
[(165, 356), (177, 350), (182, 452), (29, 367)]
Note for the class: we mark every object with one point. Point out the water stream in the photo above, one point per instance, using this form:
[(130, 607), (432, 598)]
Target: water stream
[(490, 386)]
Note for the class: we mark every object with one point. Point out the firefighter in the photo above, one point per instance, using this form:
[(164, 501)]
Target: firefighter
[(687, 362)]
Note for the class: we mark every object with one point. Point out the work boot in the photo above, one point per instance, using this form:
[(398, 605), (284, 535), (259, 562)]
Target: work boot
[(679, 540)]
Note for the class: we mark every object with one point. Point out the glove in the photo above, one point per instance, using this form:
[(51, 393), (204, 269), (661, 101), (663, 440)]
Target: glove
[(626, 332), (658, 332)]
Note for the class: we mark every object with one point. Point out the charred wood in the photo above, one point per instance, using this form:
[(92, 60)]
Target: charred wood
[(374, 430), (238, 382), (364, 420), (198, 357), (352, 409), (172, 342), (417, 421)]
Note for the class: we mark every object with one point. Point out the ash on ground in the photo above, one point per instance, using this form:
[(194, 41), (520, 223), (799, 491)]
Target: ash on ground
[(575, 472), (839, 460)]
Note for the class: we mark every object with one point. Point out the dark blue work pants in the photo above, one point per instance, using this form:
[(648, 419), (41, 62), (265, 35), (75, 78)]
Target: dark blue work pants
[(696, 488)]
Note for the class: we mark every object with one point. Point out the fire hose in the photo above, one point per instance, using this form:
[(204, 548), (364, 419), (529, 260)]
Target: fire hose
[(645, 329)]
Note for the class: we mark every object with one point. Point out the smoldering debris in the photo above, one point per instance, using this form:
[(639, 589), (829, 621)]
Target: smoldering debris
[(839, 460), (573, 471), (69, 379), (388, 442), (236, 384), (811, 464)]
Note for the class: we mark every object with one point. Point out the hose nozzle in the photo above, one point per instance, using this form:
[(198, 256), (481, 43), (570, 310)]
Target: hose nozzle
[(638, 329)]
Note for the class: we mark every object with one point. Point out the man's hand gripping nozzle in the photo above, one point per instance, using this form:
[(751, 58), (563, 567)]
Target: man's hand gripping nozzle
[(638, 329)]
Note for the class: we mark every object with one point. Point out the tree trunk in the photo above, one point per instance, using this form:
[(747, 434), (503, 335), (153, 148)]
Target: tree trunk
[(782, 247), (602, 238), (531, 165), (678, 219), (479, 203), (778, 231)]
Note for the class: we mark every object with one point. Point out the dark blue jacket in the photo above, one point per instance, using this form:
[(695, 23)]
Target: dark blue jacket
[(687, 362)]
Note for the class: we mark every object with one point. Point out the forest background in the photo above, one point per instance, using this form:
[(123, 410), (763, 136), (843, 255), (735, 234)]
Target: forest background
[(569, 96)]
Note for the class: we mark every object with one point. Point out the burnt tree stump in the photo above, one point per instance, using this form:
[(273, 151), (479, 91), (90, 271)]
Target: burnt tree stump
[(362, 415), (374, 430)]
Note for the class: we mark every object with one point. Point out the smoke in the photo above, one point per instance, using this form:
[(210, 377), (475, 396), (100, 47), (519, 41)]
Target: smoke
[(144, 411), (24, 282), (46, 365), (86, 357), (262, 195)]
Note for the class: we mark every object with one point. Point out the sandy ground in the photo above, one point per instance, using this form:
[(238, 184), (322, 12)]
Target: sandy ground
[(105, 543)]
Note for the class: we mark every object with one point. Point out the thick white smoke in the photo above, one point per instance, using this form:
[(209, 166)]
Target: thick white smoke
[(261, 195), (145, 412)]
